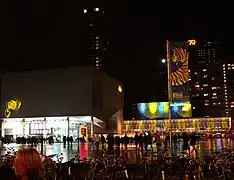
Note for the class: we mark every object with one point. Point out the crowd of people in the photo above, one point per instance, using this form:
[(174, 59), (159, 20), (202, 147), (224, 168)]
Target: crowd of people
[(28, 163), (143, 141)]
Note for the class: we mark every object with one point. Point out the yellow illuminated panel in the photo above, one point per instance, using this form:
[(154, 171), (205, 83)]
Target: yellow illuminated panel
[(153, 107), (12, 105), (154, 110), (192, 42), (186, 107), (166, 107), (120, 89)]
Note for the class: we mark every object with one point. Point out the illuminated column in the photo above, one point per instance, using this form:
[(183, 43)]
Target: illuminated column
[(68, 126), (23, 124), (3, 130), (44, 131), (91, 127)]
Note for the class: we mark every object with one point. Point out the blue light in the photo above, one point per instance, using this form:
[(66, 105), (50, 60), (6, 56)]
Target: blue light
[(141, 107), (161, 107), (175, 108)]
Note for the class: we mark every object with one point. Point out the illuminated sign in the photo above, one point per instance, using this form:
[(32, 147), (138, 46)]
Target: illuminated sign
[(120, 89), (154, 110), (177, 95), (192, 42), (12, 106), (84, 132)]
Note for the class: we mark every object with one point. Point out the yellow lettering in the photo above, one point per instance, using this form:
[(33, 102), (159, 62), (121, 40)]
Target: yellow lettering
[(192, 42)]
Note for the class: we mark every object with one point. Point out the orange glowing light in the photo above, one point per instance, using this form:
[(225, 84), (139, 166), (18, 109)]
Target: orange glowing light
[(192, 42)]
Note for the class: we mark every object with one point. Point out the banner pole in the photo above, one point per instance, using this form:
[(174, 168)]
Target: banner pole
[(169, 93)]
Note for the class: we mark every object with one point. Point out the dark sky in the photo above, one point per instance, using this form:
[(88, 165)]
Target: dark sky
[(45, 34)]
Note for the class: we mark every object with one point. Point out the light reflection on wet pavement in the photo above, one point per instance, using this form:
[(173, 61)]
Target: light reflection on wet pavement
[(87, 150)]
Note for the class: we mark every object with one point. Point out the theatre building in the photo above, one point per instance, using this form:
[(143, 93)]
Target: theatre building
[(76, 102), (153, 116)]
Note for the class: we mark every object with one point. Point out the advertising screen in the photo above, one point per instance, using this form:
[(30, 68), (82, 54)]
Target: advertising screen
[(153, 110)]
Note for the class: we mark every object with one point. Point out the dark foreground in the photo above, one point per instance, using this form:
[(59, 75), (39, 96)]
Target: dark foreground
[(212, 162), (158, 166)]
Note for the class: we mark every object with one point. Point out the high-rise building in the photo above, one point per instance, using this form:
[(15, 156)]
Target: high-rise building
[(96, 36), (206, 80), (158, 85), (228, 88)]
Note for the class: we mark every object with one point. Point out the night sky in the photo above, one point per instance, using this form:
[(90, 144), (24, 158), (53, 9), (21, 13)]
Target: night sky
[(43, 34)]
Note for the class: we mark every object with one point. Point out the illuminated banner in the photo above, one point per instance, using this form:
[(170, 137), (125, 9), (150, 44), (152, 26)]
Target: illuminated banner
[(152, 110), (179, 70)]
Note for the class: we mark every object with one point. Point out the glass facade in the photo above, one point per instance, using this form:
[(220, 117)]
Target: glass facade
[(56, 127), (219, 124)]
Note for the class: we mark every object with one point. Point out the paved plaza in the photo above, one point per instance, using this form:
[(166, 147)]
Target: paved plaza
[(87, 150)]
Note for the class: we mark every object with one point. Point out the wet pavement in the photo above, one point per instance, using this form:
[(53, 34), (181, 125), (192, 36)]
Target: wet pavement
[(204, 148)]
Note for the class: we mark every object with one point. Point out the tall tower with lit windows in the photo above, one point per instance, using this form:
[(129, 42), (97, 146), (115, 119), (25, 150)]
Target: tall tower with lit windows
[(96, 36), (206, 83), (228, 86)]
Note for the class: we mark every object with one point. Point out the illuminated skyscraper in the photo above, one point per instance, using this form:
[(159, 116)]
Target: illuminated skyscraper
[(206, 80), (228, 87), (96, 41)]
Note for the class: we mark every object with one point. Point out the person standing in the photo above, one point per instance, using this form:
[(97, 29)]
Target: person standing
[(141, 141), (185, 141), (117, 143), (64, 141), (71, 139), (103, 141), (97, 141), (136, 139), (157, 141), (126, 142)]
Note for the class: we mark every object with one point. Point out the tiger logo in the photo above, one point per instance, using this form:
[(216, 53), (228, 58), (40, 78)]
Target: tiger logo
[(12, 105), (181, 75)]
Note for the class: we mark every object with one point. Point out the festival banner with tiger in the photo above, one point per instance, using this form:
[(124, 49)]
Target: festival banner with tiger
[(179, 73)]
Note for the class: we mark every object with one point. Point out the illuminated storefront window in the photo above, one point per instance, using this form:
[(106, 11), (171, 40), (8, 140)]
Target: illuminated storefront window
[(50, 126), (219, 124)]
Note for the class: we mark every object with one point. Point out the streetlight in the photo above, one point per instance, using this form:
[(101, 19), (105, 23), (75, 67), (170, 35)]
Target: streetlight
[(96, 9), (163, 60), (85, 11)]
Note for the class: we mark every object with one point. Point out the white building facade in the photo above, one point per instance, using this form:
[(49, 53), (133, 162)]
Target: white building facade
[(60, 102)]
